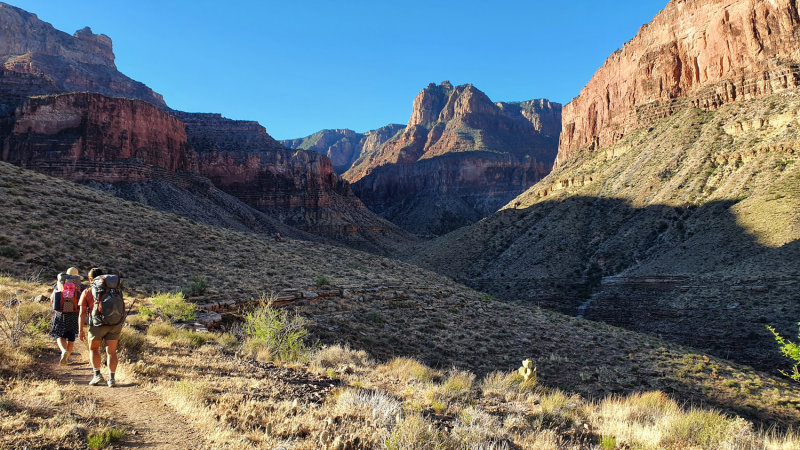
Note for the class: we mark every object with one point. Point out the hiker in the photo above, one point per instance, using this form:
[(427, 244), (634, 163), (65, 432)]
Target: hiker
[(65, 296), (105, 310)]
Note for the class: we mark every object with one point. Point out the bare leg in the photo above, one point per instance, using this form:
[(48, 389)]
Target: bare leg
[(62, 344), (70, 346), (95, 347), (111, 352)]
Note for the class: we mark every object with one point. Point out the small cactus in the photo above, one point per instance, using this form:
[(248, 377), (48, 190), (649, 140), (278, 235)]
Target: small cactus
[(527, 370)]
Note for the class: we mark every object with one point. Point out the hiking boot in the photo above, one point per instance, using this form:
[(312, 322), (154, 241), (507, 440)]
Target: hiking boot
[(63, 360), (96, 380), (111, 382)]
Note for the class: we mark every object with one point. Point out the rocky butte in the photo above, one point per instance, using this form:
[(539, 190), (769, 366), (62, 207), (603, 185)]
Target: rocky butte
[(121, 137), (460, 157), (703, 53)]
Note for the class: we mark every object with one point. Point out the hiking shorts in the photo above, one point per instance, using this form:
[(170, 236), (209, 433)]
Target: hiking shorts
[(107, 332)]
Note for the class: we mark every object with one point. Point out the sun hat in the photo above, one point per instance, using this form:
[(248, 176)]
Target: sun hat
[(73, 271)]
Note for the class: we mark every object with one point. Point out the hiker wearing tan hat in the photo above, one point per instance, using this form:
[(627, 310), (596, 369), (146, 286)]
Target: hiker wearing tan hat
[(66, 293)]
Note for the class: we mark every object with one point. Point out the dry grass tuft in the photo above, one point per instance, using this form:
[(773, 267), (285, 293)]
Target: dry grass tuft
[(409, 369), (337, 356)]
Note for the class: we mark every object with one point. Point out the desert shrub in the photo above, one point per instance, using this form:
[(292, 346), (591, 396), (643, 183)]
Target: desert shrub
[(137, 321), (13, 359), (191, 390), (173, 307), (502, 384), (23, 320), (707, 429), (414, 431), (275, 334), (146, 312), (161, 329), (227, 340), (333, 356), (477, 429), (379, 408), (790, 350), (197, 287), (457, 387), (322, 280), (409, 369), (190, 338), (131, 342), (105, 437)]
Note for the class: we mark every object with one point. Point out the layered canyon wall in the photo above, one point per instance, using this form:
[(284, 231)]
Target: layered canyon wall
[(702, 53)]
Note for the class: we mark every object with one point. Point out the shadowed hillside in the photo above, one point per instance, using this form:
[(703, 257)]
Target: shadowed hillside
[(687, 230)]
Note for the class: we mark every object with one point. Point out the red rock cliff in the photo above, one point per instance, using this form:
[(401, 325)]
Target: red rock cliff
[(80, 62), (703, 53), (447, 119), (298, 187), (89, 137)]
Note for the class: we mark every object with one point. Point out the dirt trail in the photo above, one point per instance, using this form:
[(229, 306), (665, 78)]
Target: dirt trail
[(147, 421)]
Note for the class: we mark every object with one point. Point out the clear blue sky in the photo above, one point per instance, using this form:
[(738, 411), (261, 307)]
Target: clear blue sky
[(300, 66)]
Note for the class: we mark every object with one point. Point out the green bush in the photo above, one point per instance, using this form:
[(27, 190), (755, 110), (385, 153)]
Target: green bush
[(198, 286), (322, 280), (277, 332), (174, 307), (790, 350), (104, 438)]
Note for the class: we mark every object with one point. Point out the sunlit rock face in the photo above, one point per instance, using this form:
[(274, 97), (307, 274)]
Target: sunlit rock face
[(704, 53), (460, 158)]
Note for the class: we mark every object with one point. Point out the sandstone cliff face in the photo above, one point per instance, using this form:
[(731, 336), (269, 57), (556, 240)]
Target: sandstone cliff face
[(460, 157), (81, 62), (89, 137), (344, 146), (298, 187), (703, 53)]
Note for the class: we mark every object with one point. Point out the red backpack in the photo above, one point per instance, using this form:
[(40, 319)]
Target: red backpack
[(66, 300)]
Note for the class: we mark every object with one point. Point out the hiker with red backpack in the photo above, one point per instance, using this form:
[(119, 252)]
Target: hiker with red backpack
[(65, 303), (104, 307)]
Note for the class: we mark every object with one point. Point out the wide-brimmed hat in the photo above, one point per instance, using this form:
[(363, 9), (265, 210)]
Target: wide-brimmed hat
[(73, 271)]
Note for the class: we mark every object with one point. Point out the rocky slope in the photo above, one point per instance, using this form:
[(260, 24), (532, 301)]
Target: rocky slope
[(383, 306), (686, 225), (81, 62), (703, 53), (344, 147), (460, 158)]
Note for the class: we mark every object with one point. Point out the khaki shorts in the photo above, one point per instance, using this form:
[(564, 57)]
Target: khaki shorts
[(107, 332)]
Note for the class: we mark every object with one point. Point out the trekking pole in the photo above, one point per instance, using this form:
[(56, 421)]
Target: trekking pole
[(130, 308)]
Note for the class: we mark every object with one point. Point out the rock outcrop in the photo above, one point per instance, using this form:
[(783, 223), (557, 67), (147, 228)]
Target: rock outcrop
[(703, 53), (344, 146), (460, 158), (81, 62), (90, 137), (298, 187)]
